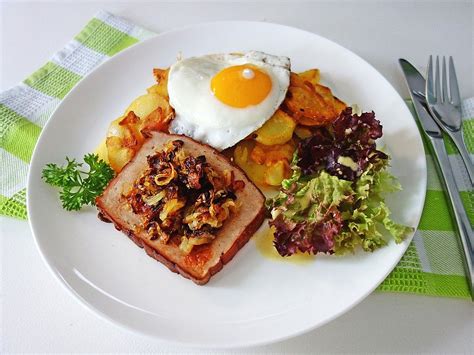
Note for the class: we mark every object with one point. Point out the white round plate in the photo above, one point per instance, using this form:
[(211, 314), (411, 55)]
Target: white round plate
[(253, 300)]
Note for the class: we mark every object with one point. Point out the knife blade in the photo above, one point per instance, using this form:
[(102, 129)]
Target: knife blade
[(416, 85), (415, 82)]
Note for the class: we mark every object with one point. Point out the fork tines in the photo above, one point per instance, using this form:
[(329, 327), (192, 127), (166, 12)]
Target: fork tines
[(438, 89)]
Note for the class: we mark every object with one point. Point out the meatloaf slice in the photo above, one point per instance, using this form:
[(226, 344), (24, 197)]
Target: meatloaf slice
[(204, 260)]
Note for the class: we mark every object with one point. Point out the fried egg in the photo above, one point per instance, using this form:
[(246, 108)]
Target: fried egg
[(220, 99)]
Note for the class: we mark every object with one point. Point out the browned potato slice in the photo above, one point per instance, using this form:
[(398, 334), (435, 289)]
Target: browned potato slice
[(330, 99), (325, 92), (123, 141), (254, 171), (161, 76), (132, 135), (311, 75), (306, 105), (146, 113), (277, 130), (268, 155), (339, 105), (157, 120)]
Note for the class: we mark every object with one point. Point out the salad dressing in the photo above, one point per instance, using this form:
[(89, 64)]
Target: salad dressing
[(264, 242)]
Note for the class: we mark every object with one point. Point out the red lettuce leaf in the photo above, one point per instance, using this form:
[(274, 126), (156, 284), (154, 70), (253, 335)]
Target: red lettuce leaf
[(307, 237), (350, 138)]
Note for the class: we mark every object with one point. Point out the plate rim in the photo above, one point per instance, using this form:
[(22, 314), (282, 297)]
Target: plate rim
[(205, 345)]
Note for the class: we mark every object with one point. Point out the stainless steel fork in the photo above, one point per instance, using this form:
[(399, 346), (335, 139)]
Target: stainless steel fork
[(445, 107)]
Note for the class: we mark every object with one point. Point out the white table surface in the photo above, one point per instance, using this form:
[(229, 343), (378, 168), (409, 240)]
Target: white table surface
[(38, 315)]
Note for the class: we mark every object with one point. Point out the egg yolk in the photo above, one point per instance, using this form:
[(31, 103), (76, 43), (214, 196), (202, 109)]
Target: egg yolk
[(241, 85)]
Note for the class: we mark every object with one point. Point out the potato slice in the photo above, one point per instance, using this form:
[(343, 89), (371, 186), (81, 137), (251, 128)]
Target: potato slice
[(277, 130), (273, 161), (145, 104), (254, 171), (115, 129), (326, 93), (339, 105), (268, 155), (305, 105), (330, 99), (123, 140), (161, 76), (132, 134), (146, 113), (311, 75), (157, 120), (275, 173), (308, 107), (303, 132), (119, 154), (101, 151), (297, 80)]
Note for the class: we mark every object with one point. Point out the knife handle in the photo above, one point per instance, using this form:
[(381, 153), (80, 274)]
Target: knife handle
[(458, 139), (462, 221)]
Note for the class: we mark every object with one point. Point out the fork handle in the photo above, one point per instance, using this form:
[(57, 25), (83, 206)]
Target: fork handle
[(465, 231), (458, 139)]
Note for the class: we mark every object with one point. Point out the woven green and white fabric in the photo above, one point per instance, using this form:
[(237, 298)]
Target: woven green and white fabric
[(26, 108), (432, 264)]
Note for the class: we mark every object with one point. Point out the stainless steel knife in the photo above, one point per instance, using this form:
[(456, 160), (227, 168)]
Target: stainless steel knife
[(416, 85)]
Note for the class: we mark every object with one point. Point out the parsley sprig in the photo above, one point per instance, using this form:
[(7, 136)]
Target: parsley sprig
[(79, 187)]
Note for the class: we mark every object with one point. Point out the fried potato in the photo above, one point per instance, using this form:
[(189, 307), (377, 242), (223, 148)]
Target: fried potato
[(339, 105), (276, 173), (153, 109), (277, 130), (310, 103), (157, 120), (130, 118), (161, 88), (311, 75), (101, 151), (123, 126), (308, 107), (302, 132), (325, 93), (254, 171), (268, 155), (330, 99), (118, 153), (150, 112), (133, 138), (264, 165), (145, 104), (123, 140)]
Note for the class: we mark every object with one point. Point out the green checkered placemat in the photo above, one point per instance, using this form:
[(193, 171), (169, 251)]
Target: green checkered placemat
[(432, 264), (25, 108)]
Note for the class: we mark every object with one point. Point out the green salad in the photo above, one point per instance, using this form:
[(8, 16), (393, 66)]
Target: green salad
[(334, 201)]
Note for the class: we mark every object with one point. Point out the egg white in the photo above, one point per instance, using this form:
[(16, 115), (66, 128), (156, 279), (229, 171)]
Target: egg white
[(203, 117)]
